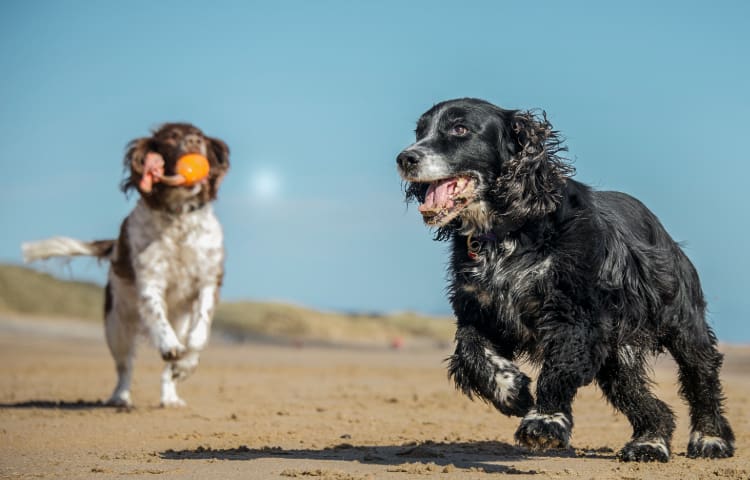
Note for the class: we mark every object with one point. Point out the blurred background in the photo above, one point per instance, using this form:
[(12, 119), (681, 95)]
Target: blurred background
[(315, 100)]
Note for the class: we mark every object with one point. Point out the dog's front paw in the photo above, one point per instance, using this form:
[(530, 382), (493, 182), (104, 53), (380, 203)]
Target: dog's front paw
[(513, 397), (541, 431), (646, 450), (182, 368), (707, 446), (509, 387), (172, 352)]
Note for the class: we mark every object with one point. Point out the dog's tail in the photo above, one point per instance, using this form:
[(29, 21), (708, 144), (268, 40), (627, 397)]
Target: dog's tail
[(66, 247)]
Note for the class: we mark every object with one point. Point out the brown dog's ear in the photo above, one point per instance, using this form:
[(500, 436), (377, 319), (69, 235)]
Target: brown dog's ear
[(218, 153), (133, 163), (218, 157), (532, 179)]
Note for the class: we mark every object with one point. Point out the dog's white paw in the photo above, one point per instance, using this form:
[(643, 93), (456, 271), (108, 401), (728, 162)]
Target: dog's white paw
[(182, 368), (173, 402), (169, 397), (171, 351), (120, 399)]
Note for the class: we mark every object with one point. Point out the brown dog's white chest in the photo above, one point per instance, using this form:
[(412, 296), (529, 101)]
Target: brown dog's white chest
[(180, 253)]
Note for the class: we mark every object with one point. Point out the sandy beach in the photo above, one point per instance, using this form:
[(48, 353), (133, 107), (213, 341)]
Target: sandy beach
[(296, 411)]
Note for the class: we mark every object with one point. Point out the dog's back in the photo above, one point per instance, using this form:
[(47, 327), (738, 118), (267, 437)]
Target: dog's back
[(645, 268)]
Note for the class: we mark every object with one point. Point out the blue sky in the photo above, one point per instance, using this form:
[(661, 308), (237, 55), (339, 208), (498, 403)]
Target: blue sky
[(316, 99)]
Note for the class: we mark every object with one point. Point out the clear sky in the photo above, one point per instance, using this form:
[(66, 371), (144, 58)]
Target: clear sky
[(316, 98)]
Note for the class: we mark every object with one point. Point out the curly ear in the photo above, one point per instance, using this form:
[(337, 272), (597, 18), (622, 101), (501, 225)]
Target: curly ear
[(133, 162), (532, 179)]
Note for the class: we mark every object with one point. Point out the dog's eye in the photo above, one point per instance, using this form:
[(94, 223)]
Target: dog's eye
[(459, 130)]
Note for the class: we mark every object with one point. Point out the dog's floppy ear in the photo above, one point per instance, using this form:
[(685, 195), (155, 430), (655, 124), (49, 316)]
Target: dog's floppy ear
[(218, 153), (218, 157), (532, 179), (133, 163)]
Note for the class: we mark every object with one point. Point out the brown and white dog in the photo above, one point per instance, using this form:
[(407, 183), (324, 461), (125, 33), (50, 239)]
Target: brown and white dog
[(167, 263)]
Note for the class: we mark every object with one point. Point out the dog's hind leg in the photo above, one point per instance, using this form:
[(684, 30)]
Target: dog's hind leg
[(694, 350), (120, 331), (624, 382), (477, 368)]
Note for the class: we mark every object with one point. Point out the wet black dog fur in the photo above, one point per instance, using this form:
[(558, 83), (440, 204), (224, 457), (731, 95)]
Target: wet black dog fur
[(586, 284)]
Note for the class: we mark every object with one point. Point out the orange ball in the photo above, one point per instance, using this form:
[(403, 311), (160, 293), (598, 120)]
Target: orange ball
[(193, 166)]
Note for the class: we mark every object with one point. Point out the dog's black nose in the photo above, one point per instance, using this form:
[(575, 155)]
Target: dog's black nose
[(409, 158)]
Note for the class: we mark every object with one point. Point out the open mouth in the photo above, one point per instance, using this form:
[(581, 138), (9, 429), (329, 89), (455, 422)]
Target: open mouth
[(446, 198)]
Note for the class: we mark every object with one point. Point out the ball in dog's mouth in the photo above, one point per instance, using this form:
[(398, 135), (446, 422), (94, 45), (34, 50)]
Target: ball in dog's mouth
[(446, 198)]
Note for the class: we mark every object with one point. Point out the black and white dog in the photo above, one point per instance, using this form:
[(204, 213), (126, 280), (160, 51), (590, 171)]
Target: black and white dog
[(585, 284)]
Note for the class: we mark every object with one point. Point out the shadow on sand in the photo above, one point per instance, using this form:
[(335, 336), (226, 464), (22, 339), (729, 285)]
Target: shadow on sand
[(60, 405), (476, 455)]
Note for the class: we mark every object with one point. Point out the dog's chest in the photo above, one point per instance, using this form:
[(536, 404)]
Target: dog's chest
[(180, 253), (505, 279)]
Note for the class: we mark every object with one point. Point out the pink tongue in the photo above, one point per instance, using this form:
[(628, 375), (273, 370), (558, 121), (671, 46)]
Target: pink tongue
[(438, 195)]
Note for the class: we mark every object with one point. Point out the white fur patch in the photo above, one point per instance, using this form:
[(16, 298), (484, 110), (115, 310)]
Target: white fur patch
[(509, 246), (558, 418), (56, 247), (505, 375), (709, 440), (476, 217), (169, 397), (432, 168), (500, 362), (174, 259), (656, 443), (201, 324), (541, 268), (504, 381), (626, 355)]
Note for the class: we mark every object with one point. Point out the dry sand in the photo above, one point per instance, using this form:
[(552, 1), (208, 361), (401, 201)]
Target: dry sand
[(275, 411)]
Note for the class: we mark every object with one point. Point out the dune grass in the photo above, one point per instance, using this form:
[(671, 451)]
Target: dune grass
[(26, 291), (29, 292), (290, 321)]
